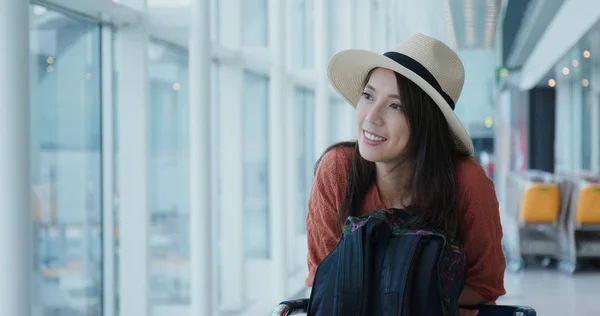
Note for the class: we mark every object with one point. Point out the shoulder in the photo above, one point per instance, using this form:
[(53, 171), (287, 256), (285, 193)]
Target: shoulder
[(476, 192), (471, 175), (335, 162), (331, 173), (474, 187)]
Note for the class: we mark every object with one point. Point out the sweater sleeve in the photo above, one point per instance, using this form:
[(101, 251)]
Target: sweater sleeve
[(325, 197), (481, 231)]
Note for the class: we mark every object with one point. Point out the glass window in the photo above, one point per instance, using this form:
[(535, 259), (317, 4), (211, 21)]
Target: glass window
[(341, 121), (66, 165), (167, 172), (586, 145), (336, 118), (577, 105), (303, 26), (255, 23), (377, 25), (334, 25), (256, 165), (305, 137), (389, 24), (586, 112), (214, 21)]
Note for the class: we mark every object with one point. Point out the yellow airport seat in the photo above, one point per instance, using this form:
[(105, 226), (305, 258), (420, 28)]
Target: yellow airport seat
[(541, 203), (588, 206)]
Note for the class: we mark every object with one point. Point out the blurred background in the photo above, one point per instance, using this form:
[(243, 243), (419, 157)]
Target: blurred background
[(171, 138)]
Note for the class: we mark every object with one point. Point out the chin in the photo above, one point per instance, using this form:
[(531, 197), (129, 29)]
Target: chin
[(371, 154)]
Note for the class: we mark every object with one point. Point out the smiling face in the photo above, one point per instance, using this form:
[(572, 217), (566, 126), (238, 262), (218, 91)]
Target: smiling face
[(383, 129)]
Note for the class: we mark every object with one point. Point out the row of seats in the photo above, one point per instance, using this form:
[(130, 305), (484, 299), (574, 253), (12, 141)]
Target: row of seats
[(555, 216), (542, 198)]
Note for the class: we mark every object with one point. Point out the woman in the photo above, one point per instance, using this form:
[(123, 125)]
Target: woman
[(413, 153)]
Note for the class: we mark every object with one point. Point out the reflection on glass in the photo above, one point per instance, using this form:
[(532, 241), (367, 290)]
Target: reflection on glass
[(168, 181), (338, 112), (586, 145), (304, 115), (334, 25), (256, 164), (214, 21), (378, 39), (303, 26), (66, 165), (255, 23), (586, 113)]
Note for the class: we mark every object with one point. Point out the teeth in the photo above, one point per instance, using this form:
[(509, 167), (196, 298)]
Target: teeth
[(373, 137)]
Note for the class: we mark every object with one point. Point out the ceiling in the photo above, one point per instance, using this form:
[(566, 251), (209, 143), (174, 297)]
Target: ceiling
[(473, 22)]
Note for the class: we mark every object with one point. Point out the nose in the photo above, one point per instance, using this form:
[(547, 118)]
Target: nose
[(375, 115)]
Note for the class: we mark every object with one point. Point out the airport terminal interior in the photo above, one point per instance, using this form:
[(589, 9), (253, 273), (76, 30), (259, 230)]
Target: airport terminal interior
[(157, 155)]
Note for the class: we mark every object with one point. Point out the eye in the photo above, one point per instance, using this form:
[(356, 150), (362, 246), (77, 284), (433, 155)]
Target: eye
[(366, 96), (396, 106)]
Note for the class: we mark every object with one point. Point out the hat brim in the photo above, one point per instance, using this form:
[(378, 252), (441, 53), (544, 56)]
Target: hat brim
[(348, 69)]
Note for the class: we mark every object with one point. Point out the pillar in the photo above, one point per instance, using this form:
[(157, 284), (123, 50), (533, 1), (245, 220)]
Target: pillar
[(277, 147), (322, 108), (133, 209), (15, 219), (200, 163)]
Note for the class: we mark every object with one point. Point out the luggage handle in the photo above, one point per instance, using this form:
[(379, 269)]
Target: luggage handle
[(293, 307), (502, 310)]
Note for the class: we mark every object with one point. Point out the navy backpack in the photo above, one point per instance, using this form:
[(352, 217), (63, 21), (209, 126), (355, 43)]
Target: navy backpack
[(383, 265)]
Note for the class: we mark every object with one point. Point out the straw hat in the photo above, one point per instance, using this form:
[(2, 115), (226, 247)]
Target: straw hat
[(426, 61)]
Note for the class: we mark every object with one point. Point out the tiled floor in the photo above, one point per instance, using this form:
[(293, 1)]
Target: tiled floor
[(553, 293)]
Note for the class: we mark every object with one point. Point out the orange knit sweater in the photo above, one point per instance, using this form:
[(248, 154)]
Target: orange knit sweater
[(480, 221)]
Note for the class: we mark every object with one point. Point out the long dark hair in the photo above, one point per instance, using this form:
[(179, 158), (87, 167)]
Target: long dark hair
[(432, 182)]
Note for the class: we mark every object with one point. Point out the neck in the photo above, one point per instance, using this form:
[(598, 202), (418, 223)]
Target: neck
[(392, 184)]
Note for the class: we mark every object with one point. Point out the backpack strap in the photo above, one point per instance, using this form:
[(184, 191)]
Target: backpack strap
[(350, 275), (356, 260), (396, 268)]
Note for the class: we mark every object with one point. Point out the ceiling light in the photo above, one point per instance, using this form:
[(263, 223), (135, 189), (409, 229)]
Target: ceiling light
[(490, 25), (575, 63), (551, 83), (586, 54), (176, 86), (50, 60), (39, 10), (469, 29), (450, 23), (565, 71), (488, 122), (585, 82)]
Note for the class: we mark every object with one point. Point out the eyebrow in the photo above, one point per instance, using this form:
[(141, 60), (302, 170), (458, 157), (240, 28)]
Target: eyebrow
[(370, 87)]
